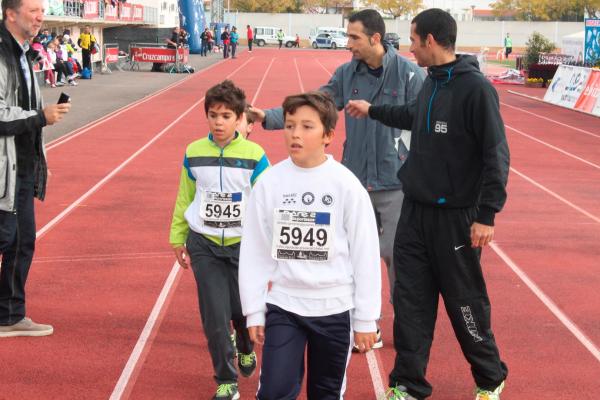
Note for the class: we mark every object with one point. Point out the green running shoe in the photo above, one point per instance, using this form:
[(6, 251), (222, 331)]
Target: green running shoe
[(482, 394), (247, 364), (227, 391)]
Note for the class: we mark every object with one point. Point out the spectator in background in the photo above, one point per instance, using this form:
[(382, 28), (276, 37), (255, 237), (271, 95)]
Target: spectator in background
[(233, 37), (204, 37), (280, 36), (507, 45), (297, 41), (250, 36), (62, 57), (175, 40), (59, 66), (45, 37), (86, 41), (225, 37), (44, 61), (183, 37)]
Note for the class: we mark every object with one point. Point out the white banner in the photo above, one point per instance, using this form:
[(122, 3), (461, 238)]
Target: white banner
[(567, 85)]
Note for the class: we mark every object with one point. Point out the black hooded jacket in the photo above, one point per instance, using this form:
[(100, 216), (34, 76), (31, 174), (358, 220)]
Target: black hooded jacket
[(458, 156)]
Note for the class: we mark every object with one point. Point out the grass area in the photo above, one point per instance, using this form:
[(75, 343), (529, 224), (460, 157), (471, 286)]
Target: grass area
[(511, 63)]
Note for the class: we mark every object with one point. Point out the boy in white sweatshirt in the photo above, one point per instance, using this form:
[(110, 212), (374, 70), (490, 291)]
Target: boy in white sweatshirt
[(310, 230)]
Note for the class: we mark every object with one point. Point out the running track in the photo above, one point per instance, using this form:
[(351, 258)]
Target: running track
[(125, 317)]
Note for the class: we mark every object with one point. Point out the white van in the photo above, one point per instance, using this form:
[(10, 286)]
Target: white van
[(314, 32), (264, 35)]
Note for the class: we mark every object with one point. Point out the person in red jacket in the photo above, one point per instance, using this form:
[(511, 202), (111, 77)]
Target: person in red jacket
[(250, 36)]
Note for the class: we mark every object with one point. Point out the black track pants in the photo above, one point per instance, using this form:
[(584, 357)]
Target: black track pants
[(433, 256)]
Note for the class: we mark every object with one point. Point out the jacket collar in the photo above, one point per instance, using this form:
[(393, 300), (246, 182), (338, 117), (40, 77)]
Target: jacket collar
[(236, 138), (390, 54)]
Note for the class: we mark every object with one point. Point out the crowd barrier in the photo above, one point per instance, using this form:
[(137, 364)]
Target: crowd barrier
[(577, 88), (110, 55)]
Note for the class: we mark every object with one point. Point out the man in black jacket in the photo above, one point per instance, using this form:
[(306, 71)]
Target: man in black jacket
[(23, 168), (454, 182)]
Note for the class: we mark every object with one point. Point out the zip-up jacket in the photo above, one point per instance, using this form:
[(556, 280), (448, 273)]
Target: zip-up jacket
[(370, 147), (210, 168), (459, 156), (18, 118)]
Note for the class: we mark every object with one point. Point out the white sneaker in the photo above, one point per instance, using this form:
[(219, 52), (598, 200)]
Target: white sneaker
[(72, 82), (26, 327), (482, 394)]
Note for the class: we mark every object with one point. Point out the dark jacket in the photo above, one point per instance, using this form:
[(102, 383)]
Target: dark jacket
[(458, 153), (20, 125)]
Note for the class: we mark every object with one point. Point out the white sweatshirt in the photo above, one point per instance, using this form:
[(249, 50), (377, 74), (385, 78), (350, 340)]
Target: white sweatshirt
[(324, 258)]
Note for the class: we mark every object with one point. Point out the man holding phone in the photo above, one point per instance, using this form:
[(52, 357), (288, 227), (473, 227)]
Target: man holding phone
[(23, 169)]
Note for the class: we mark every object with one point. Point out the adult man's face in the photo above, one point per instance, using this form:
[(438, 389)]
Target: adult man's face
[(360, 44), (25, 22), (419, 48), (86, 29)]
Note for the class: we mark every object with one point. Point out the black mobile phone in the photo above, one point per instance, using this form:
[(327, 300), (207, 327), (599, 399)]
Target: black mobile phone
[(64, 98)]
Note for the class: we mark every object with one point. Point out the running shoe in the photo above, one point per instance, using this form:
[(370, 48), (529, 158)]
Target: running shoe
[(482, 394)]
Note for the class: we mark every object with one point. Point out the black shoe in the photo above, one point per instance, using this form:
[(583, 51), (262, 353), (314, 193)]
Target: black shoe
[(247, 364)]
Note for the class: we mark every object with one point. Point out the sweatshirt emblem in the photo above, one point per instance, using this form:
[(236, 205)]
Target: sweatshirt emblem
[(308, 198), (327, 200), (289, 198), (440, 127)]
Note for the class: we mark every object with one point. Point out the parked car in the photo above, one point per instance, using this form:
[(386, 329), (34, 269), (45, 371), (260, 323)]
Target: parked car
[(330, 41), (324, 29), (264, 35), (393, 39)]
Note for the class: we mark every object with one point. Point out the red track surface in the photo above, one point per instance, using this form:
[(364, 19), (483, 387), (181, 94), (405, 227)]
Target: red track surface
[(99, 270)]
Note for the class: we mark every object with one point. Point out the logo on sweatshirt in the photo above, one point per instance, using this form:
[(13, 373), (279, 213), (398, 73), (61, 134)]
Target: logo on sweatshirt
[(289, 198), (308, 198), (440, 127), (327, 199)]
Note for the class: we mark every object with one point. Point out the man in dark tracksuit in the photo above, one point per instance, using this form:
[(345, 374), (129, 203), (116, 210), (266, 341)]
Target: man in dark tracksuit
[(454, 183), (23, 168)]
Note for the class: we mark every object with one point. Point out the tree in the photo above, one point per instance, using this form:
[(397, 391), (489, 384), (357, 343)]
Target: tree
[(536, 44), (547, 10), (397, 8)]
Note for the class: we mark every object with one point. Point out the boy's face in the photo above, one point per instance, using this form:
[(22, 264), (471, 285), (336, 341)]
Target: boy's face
[(222, 123), (305, 138), (245, 127)]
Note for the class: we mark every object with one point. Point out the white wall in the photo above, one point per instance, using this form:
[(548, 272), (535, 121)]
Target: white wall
[(470, 33)]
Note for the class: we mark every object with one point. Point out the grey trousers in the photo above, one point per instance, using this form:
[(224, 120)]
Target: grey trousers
[(216, 271), (387, 205)]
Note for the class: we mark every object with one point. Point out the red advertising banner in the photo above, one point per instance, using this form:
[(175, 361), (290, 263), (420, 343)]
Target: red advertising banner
[(589, 95), (91, 9), (111, 55), (138, 12), (158, 55), (111, 13), (125, 12)]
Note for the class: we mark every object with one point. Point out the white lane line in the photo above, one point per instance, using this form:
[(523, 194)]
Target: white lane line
[(98, 258), (556, 105), (115, 171), (142, 347), (556, 196), (261, 82), (554, 147), (322, 66), (373, 362), (551, 120), (298, 75), (558, 313), (79, 131), (140, 351)]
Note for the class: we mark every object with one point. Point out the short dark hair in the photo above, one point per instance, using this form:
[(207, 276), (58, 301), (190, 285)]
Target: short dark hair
[(249, 116), (226, 93), (318, 101), (439, 24), (371, 20), (12, 4)]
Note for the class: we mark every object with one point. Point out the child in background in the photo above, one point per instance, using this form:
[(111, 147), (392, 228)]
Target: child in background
[(310, 229), (217, 176), (246, 123)]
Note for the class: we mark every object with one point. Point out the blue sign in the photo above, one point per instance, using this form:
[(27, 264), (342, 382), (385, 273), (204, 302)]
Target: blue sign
[(592, 41)]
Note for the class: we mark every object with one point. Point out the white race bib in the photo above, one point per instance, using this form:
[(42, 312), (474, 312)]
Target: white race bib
[(302, 235), (222, 210)]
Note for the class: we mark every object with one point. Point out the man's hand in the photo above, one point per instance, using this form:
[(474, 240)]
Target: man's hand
[(55, 112), (257, 114), (257, 334), (183, 257), (358, 108), (481, 234), (364, 341)]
